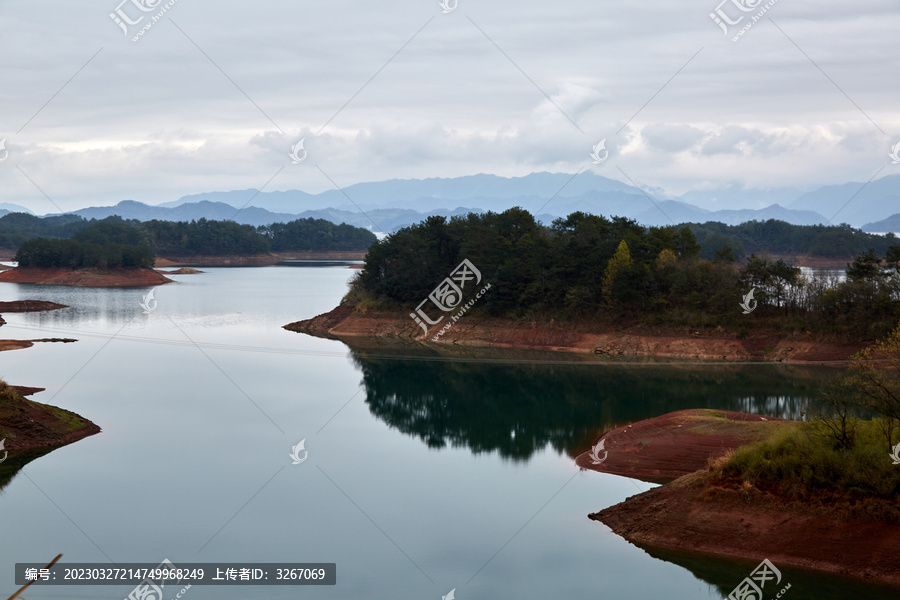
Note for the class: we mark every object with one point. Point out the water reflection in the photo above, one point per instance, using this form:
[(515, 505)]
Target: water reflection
[(723, 575), (10, 467), (519, 409)]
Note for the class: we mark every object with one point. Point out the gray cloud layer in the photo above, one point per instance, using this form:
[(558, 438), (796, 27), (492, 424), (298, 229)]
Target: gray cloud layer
[(157, 119)]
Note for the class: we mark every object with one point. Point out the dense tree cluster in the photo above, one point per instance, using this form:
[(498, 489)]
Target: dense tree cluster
[(780, 238), (113, 230), (201, 237), (316, 234), (16, 228), (589, 267), (72, 254)]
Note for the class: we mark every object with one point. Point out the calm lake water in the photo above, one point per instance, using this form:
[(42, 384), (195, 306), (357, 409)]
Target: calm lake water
[(424, 473)]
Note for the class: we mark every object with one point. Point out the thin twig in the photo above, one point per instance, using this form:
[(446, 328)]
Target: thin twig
[(22, 589)]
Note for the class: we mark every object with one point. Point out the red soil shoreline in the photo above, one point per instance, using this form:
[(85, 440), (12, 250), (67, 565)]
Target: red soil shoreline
[(690, 514), (346, 323), (252, 260), (257, 260), (85, 277), (676, 444), (28, 426), (29, 306)]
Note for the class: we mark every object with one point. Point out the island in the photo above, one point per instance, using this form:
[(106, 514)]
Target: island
[(612, 287), (86, 277), (85, 263)]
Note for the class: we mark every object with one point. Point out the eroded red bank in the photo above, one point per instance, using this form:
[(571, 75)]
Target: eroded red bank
[(837, 535), (344, 322), (86, 277)]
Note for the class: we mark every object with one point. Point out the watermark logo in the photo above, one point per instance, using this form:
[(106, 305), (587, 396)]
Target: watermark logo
[(895, 455), (125, 21), (895, 154), (5, 453), (448, 294), (751, 588), (722, 18), (296, 149), (295, 452), (152, 589), (148, 303), (595, 452), (746, 304), (449, 6), (4, 153), (599, 152), (451, 595)]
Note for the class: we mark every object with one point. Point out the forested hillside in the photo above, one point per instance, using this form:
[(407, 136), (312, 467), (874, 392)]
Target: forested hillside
[(316, 234), (589, 267), (180, 238), (780, 238)]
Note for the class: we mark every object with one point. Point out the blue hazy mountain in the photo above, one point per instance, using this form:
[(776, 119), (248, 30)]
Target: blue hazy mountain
[(638, 207), (891, 224), (856, 203), (737, 196), (8, 208), (129, 209), (424, 194), (376, 220), (387, 205), (550, 194)]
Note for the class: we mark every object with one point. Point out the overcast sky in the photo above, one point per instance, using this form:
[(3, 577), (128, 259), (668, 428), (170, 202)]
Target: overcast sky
[(214, 95)]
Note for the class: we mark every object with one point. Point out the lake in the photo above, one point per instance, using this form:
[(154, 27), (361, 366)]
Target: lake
[(424, 474)]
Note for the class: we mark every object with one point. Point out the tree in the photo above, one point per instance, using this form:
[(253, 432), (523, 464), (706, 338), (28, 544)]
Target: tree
[(620, 261), (875, 373), (834, 413)]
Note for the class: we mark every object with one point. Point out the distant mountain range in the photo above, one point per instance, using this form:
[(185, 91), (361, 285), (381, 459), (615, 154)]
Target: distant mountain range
[(388, 205), (388, 219), (891, 224), (854, 203), (6, 208)]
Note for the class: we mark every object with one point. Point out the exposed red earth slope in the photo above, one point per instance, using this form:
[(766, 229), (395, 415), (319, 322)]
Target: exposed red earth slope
[(842, 536), (253, 260), (181, 271), (27, 425), (323, 255), (665, 448), (85, 277), (29, 306), (344, 322), (27, 391)]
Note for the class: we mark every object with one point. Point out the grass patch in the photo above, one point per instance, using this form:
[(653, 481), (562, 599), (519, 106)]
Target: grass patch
[(710, 413), (800, 460), (70, 420)]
